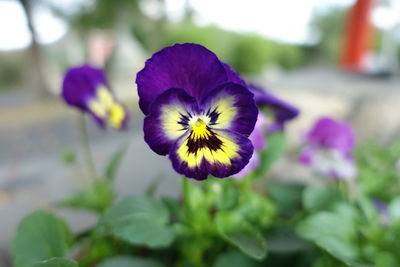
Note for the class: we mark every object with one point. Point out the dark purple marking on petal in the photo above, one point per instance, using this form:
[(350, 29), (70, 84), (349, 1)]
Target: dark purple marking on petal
[(217, 169)]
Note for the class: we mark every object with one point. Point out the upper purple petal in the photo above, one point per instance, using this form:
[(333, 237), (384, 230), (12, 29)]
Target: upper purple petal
[(233, 76), (332, 134), (80, 84), (282, 111), (189, 66), (241, 113)]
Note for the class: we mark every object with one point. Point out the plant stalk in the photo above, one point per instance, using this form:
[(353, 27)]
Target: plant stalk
[(84, 137)]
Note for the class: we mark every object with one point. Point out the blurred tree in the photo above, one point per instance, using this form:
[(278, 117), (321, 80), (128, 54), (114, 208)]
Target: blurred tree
[(121, 15), (329, 25), (35, 74)]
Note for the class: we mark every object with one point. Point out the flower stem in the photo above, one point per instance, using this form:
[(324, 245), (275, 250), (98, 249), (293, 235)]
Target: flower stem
[(84, 137), (186, 204)]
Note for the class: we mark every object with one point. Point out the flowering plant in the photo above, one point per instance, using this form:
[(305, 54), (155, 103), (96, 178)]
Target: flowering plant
[(212, 124)]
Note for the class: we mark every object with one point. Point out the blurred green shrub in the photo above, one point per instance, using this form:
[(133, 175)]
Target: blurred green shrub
[(330, 26), (10, 73), (246, 53)]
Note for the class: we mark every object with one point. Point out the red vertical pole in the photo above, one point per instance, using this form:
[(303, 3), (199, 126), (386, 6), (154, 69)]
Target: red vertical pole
[(358, 35)]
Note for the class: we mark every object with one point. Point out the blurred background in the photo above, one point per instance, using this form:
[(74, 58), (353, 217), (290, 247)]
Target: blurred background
[(329, 58)]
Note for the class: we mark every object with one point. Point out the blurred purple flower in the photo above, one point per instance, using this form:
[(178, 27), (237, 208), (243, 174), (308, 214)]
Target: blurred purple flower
[(197, 111), (281, 110), (257, 137), (86, 88), (382, 209), (328, 149)]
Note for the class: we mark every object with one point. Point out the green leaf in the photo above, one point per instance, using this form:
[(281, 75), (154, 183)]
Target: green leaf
[(282, 239), (234, 259), (114, 163), (385, 259), (68, 156), (286, 196), (134, 206), (153, 186), (241, 234), (40, 236), (332, 232), (394, 210), (97, 197), (56, 262), (276, 143), (320, 198), (139, 230), (127, 261), (140, 220)]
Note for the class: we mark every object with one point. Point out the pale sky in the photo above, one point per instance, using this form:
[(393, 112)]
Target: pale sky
[(284, 20)]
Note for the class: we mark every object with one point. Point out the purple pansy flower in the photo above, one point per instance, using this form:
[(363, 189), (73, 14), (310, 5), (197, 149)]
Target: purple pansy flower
[(195, 112), (328, 149), (87, 89), (281, 110)]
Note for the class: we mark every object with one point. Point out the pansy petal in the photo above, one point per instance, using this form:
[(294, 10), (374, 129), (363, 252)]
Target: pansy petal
[(231, 106), (332, 134), (282, 111), (222, 154), (189, 66), (233, 76), (257, 137), (168, 119), (251, 166), (80, 85)]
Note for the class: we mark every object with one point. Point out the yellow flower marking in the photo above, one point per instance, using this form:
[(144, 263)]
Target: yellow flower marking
[(223, 154), (105, 107), (170, 117), (227, 111)]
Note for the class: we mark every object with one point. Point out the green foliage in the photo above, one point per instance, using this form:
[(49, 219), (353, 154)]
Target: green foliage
[(333, 232), (114, 162), (242, 234), (127, 261), (287, 197), (140, 220), (276, 144), (246, 53), (330, 25), (234, 259), (10, 72), (378, 176), (40, 236), (97, 197), (56, 262), (320, 198), (68, 156)]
